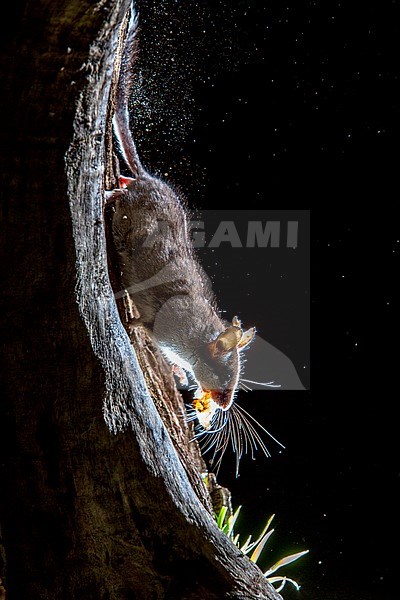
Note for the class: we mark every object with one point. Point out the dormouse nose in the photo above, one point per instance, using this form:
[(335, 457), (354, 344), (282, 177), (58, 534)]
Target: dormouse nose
[(223, 398)]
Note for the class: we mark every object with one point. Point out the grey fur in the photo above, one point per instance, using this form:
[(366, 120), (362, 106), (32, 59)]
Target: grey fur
[(158, 265)]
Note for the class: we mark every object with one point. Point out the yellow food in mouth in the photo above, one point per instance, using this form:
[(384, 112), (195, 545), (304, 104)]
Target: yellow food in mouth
[(203, 403), (205, 407)]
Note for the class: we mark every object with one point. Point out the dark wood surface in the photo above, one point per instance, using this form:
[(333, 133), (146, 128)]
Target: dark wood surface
[(101, 495)]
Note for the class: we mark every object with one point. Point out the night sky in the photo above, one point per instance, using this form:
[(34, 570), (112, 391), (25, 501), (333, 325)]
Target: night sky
[(297, 104)]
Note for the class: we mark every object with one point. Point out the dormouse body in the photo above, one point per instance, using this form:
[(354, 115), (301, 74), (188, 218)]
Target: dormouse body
[(162, 275)]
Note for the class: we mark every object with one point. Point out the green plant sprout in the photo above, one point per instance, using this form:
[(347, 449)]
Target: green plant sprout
[(255, 549)]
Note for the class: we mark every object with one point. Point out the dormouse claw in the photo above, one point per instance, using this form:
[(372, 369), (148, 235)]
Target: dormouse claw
[(125, 181)]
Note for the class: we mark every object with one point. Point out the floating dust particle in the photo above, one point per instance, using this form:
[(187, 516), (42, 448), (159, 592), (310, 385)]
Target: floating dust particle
[(183, 47)]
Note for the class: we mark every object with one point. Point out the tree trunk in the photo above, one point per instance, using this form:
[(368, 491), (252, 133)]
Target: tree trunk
[(101, 498)]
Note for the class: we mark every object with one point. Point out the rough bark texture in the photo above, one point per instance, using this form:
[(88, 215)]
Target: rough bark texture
[(99, 499)]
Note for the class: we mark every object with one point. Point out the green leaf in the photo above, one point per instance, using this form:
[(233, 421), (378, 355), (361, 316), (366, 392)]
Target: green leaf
[(258, 540), (260, 546), (246, 546), (225, 529), (285, 561), (272, 517), (221, 517), (232, 521), (250, 547), (283, 581)]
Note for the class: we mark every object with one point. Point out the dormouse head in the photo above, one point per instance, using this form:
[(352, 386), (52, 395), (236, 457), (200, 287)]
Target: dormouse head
[(218, 371)]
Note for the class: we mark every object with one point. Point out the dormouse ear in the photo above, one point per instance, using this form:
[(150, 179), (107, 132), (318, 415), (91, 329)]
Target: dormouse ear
[(247, 338), (226, 341), (236, 322)]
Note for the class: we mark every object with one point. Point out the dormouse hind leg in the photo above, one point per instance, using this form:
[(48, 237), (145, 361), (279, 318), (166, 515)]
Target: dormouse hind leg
[(125, 181), (113, 195)]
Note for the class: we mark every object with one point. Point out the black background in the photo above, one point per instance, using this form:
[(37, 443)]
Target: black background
[(268, 288), (275, 105)]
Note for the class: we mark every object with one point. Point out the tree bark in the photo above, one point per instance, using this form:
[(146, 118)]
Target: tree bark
[(101, 498)]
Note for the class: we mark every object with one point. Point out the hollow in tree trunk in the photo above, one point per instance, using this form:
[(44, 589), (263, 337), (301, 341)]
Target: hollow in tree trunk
[(101, 491)]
